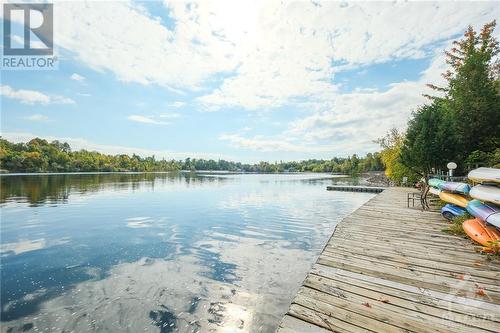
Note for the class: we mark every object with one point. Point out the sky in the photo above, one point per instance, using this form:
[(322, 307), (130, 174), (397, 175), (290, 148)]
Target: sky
[(238, 80)]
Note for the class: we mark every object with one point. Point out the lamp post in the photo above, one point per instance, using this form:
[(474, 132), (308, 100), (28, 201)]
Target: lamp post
[(451, 166)]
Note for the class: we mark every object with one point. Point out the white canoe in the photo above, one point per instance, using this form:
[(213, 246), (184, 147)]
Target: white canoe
[(486, 193), (485, 175)]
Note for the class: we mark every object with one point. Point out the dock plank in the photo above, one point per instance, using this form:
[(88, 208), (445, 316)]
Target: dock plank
[(389, 268)]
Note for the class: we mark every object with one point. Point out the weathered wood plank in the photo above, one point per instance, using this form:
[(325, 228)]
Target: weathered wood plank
[(442, 256), (425, 266), (454, 270), (428, 296), (389, 268), (355, 293)]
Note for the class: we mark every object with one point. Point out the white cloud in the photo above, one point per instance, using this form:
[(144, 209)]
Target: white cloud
[(81, 143), (262, 144), (146, 120), (345, 125), (33, 97), (286, 144), (170, 115), (37, 117), (77, 77), (177, 104), (301, 46), (143, 50), (362, 116), (349, 122), (268, 53)]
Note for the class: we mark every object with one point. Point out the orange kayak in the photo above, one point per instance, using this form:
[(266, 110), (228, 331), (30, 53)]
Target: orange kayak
[(453, 198), (480, 232)]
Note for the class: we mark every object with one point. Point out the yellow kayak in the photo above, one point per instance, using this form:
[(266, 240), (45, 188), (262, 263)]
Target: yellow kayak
[(453, 198)]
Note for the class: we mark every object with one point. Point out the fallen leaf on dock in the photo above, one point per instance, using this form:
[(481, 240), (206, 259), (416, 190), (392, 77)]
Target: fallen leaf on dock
[(480, 292)]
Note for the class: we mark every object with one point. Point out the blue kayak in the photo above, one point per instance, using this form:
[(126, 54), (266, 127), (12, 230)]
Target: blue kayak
[(450, 211)]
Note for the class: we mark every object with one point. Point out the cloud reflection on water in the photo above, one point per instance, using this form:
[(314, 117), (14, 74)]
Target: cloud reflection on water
[(222, 256)]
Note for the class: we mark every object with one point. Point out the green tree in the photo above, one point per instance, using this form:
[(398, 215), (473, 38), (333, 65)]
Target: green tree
[(38, 155), (472, 94), (430, 141)]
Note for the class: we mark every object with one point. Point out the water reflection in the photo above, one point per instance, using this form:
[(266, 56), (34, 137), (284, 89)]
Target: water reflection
[(160, 252), (41, 189)]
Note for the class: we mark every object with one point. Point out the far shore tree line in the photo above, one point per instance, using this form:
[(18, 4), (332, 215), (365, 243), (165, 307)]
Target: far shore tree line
[(462, 124), (39, 155)]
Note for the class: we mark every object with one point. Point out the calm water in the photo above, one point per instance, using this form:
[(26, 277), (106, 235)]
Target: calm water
[(160, 252)]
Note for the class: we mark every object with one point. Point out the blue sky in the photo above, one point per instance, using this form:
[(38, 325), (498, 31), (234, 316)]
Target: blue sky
[(244, 81)]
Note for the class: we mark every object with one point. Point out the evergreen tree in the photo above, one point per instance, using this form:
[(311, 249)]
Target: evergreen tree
[(472, 95), (431, 141)]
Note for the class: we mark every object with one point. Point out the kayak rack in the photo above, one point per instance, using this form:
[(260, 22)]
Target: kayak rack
[(368, 189)]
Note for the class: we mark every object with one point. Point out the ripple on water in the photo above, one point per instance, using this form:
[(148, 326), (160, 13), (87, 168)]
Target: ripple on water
[(160, 252)]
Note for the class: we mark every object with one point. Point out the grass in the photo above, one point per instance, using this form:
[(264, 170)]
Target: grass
[(455, 226), (494, 248)]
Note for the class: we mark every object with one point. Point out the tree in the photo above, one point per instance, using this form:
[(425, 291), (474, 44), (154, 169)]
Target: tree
[(431, 141), (38, 155), (390, 156), (472, 94)]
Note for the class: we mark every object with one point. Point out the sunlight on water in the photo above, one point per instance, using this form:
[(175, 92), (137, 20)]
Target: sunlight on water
[(160, 252)]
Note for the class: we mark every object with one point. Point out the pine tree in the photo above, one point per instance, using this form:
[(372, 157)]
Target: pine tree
[(430, 141), (472, 95)]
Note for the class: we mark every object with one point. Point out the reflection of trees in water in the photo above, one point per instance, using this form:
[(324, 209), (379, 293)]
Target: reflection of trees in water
[(164, 319), (40, 189), (235, 272)]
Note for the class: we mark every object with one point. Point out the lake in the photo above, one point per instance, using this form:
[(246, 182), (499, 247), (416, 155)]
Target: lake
[(160, 252)]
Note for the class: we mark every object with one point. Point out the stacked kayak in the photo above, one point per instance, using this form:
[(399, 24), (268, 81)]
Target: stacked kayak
[(485, 212), (487, 193), (450, 211), (484, 228), (481, 232), (451, 187), (484, 175), (434, 191), (453, 198), (450, 192)]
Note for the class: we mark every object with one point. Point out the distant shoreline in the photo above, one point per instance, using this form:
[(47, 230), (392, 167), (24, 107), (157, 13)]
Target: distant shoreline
[(215, 172)]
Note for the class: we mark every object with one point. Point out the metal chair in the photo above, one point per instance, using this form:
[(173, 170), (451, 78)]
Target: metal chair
[(420, 196)]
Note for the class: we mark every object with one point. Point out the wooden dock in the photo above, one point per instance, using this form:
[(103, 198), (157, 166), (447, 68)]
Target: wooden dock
[(369, 189), (389, 268)]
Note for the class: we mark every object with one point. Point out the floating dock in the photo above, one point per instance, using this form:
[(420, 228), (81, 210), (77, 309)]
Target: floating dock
[(369, 189), (388, 268)]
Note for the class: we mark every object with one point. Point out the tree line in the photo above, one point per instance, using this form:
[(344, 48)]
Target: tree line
[(460, 124), (39, 155)]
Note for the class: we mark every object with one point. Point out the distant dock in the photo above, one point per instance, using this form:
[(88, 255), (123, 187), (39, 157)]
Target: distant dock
[(389, 268), (369, 189)]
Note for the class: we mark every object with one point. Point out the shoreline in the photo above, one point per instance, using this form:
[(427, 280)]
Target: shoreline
[(215, 172)]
